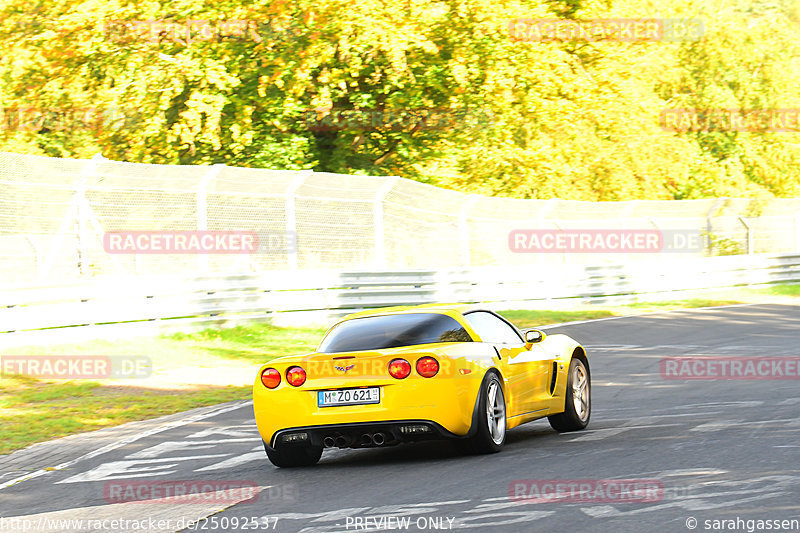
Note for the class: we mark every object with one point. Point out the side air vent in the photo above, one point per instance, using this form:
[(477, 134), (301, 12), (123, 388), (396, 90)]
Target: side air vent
[(553, 379)]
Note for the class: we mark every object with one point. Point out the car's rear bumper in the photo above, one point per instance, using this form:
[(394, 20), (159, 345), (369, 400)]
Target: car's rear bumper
[(361, 434), (447, 401)]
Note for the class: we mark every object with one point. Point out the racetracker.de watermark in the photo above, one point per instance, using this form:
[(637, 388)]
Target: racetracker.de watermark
[(199, 242), (143, 523), (605, 241), (586, 490), (76, 366), (184, 32), (621, 30), (743, 120), (371, 368), (95, 119), (181, 491), (734, 368), (340, 119)]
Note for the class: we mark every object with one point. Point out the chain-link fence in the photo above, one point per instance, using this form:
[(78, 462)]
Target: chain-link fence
[(54, 214)]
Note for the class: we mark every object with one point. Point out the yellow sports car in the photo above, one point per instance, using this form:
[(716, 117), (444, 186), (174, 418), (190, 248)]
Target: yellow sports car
[(405, 374)]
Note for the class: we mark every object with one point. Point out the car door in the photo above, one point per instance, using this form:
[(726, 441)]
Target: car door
[(527, 368)]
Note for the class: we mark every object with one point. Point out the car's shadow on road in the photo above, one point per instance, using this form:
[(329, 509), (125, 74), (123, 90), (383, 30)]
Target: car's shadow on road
[(431, 451), (420, 452)]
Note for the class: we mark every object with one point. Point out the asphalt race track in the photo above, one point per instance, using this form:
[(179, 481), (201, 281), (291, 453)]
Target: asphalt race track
[(719, 449)]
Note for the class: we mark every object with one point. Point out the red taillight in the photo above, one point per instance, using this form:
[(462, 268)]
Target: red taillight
[(296, 376), (427, 367), (271, 378), (399, 368)]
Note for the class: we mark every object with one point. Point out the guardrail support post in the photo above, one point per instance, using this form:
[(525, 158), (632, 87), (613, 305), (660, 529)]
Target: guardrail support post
[(709, 227), (378, 225)]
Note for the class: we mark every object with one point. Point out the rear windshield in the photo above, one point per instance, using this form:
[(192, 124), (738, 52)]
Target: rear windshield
[(392, 331)]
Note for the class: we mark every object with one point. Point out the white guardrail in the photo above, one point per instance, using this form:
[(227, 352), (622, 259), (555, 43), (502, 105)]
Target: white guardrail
[(170, 303)]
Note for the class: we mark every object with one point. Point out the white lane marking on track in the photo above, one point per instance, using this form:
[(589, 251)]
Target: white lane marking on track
[(688, 504), (449, 502), (163, 448), (339, 514), (693, 407), (691, 472), (148, 462), (725, 424), (647, 419), (506, 519), (711, 426), (15, 473), (128, 440), (612, 347), (134, 469), (227, 431), (599, 434), (235, 461), (695, 499), (742, 404)]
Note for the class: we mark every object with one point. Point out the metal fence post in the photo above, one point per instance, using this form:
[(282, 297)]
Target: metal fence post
[(202, 209), (750, 241), (709, 227), (82, 215), (463, 229), (560, 229), (291, 217), (76, 216), (549, 205), (378, 225)]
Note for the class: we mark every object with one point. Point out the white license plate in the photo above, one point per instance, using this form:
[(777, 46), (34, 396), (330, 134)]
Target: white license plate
[(330, 398)]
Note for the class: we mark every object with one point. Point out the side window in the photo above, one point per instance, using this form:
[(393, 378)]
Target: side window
[(492, 329)]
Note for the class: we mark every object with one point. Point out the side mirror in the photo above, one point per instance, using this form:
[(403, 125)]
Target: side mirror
[(534, 336)]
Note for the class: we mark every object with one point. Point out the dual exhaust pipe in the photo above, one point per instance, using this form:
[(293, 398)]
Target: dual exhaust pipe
[(375, 439), (367, 439), (330, 442)]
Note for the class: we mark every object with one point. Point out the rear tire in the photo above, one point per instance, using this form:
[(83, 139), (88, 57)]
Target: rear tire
[(577, 401), (490, 434), (292, 457)]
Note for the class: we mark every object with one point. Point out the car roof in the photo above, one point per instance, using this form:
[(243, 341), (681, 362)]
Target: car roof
[(404, 309)]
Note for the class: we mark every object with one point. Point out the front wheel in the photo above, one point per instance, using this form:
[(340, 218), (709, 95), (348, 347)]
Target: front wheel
[(291, 457), (578, 401), (490, 434)]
